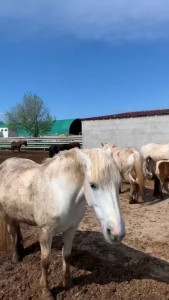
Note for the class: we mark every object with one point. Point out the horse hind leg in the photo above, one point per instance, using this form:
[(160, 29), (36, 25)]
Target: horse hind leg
[(13, 228), (4, 237), (133, 195), (164, 184), (10, 237)]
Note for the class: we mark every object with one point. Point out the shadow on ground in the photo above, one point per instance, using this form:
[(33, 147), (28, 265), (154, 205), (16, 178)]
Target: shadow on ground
[(107, 263)]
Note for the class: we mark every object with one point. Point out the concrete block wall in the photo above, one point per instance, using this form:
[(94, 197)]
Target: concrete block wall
[(126, 132)]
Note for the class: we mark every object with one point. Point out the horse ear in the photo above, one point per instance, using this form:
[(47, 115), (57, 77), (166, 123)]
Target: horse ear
[(85, 159), (109, 152), (102, 144), (149, 158)]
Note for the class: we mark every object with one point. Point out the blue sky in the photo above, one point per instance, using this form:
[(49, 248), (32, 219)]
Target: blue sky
[(85, 58)]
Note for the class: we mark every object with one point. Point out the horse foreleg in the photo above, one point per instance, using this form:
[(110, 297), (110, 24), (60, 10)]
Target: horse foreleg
[(45, 244), (20, 247), (67, 238)]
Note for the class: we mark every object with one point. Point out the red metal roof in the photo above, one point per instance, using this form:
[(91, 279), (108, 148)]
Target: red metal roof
[(134, 114)]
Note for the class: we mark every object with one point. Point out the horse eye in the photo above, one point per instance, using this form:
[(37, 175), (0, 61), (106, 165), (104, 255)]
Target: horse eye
[(93, 186)]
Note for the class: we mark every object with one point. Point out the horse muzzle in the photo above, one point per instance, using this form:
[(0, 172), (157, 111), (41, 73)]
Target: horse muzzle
[(114, 234)]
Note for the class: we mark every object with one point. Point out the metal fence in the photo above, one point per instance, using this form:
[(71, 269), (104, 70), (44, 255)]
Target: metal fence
[(40, 143)]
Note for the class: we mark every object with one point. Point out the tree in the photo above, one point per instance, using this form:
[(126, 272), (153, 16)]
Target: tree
[(32, 115)]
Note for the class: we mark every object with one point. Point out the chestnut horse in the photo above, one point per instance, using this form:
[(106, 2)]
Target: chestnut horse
[(52, 196), (17, 145)]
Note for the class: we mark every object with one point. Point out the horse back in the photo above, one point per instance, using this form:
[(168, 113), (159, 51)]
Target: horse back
[(156, 151), (55, 149), (14, 144)]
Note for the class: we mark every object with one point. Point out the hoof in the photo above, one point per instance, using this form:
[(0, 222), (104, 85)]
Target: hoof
[(141, 201), (15, 258), (158, 196), (47, 295), (67, 283), (132, 201)]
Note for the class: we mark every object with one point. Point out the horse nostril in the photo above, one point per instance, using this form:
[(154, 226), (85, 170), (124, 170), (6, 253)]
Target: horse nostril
[(108, 231), (116, 238)]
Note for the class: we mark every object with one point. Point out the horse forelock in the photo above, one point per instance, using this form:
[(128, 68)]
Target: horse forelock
[(76, 163), (103, 169)]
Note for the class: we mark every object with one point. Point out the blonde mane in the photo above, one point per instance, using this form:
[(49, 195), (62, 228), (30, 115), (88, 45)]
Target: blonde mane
[(68, 162), (103, 168)]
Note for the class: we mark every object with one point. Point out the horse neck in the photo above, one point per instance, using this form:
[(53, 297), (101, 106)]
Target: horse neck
[(66, 167), (115, 150)]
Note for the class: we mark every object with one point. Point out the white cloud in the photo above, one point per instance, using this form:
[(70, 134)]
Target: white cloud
[(91, 19)]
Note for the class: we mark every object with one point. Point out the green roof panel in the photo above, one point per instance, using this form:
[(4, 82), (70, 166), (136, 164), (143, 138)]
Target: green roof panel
[(61, 127), (58, 127), (3, 126)]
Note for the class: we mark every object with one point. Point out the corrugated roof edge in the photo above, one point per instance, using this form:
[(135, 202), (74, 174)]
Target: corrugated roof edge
[(134, 114)]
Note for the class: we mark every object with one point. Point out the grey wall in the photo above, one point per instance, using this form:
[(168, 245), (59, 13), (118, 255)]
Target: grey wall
[(126, 132)]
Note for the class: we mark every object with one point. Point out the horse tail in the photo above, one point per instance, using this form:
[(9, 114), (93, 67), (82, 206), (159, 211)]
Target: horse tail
[(139, 174), (4, 236)]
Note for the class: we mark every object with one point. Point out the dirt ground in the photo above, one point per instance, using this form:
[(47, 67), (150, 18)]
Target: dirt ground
[(136, 269)]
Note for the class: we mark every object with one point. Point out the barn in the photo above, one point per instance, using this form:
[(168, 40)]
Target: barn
[(127, 129), (67, 126)]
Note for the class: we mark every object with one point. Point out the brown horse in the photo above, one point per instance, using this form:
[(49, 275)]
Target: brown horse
[(17, 145)]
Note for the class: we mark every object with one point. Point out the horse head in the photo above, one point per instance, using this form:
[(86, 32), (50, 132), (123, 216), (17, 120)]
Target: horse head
[(149, 166), (102, 193)]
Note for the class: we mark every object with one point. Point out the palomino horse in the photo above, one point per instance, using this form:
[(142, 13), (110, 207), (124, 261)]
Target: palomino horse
[(52, 196), (17, 145), (129, 163), (55, 149)]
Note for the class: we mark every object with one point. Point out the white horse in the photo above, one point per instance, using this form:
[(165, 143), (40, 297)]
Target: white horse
[(155, 151), (129, 163), (52, 196)]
